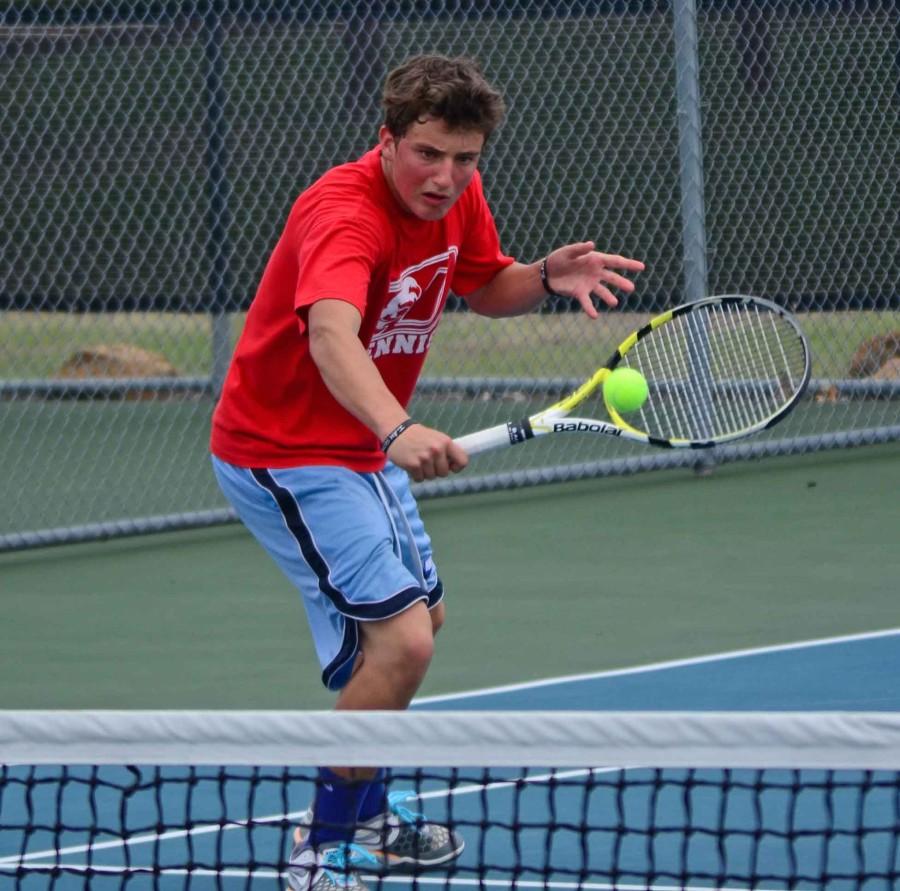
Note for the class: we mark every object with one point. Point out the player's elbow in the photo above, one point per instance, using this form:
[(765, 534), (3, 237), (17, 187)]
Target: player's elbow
[(329, 339), (333, 328)]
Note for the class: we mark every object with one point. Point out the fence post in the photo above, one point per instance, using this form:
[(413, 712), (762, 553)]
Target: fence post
[(690, 149), (693, 221)]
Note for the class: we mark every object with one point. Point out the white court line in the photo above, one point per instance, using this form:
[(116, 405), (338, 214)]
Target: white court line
[(406, 880), (656, 666), (640, 669), (209, 828)]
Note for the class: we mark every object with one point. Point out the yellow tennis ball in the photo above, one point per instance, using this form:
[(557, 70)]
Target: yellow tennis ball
[(626, 389)]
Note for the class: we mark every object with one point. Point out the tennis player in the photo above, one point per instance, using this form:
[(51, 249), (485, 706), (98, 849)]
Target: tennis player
[(311, 439)]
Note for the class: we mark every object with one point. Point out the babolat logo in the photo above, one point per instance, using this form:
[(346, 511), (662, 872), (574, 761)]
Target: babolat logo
[(585, 427)]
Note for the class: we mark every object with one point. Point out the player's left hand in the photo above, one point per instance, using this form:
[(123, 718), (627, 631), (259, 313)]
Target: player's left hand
[(580, 272)]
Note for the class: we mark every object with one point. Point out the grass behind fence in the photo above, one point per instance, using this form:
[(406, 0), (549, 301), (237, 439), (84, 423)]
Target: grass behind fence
[(36, 345)]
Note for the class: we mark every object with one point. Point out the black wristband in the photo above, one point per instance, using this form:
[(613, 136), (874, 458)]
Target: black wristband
[(389, 439), (545, 279)]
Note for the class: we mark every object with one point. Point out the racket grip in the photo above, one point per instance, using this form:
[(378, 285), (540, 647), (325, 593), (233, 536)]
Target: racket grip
[(484, 440)]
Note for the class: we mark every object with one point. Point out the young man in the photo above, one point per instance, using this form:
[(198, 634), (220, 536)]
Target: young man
[(315, 402)]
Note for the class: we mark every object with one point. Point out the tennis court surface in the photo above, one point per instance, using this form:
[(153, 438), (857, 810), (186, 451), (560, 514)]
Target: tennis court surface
[(769, 797)]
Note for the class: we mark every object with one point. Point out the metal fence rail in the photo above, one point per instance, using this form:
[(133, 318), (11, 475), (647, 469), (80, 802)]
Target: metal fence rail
[(150, 153)]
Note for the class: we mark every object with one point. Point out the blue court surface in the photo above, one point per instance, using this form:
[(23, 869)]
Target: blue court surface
[(783, 828)]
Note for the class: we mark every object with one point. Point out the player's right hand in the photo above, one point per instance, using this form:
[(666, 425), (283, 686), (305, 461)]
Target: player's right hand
[(425, 453)]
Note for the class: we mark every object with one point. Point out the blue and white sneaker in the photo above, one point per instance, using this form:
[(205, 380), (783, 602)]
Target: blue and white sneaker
[(328, 869), (401, 840)]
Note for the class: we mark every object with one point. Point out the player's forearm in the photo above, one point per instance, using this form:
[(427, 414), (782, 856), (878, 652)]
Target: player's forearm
[(513, 291), (354, 381)]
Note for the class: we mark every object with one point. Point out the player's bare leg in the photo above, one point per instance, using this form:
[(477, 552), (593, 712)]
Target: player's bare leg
[(396, 653)]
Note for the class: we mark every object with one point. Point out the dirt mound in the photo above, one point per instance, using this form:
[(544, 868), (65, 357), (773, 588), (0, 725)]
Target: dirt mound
[(875, 354), (118, 360)]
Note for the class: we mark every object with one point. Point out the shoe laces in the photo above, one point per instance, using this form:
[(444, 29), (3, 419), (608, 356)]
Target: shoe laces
[(404, 814), (337, 861)]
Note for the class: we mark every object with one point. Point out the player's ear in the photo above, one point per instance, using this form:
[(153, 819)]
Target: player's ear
[(387, 141)]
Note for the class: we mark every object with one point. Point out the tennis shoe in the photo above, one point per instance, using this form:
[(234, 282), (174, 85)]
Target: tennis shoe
[(401, 840), (328, 869)]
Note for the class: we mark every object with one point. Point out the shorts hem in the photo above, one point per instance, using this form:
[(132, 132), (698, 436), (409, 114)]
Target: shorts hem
[(436, 595), (384, 609)]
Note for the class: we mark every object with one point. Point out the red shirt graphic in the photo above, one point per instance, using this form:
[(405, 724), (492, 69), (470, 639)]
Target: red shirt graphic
[(346, 238)]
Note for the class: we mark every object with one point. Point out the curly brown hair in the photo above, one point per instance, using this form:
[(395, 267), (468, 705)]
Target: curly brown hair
[(434, 86)]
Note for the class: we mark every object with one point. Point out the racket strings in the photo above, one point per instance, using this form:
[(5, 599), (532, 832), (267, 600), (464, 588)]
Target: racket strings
[(716, 371)]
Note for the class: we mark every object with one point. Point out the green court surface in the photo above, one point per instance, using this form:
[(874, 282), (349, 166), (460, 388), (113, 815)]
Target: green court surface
[(541, 582), (86, 459)]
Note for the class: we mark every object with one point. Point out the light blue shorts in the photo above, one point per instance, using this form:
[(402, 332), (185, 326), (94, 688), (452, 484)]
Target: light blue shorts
[(353, 543)]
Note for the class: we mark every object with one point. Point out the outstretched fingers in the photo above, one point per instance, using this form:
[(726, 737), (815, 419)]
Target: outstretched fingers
[(573, 251), (587, 275), (613, 279), (617, 261), (603, 267)]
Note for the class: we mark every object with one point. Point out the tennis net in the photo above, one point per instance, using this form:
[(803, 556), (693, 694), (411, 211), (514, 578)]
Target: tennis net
[(551, 800)]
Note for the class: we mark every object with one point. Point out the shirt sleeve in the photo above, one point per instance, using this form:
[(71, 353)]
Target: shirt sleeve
[(336, 258), (480, 257)]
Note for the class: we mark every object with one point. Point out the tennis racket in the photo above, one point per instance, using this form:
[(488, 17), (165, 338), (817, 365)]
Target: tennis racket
[(718, 370)]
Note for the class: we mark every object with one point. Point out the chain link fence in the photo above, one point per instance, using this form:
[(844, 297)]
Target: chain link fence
[(151, 152)]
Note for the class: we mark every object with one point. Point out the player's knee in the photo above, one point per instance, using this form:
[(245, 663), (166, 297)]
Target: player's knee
[(401, 648), (415, 651)]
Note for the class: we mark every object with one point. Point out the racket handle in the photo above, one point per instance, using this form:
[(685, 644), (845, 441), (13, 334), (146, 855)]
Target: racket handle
[(483, 440)]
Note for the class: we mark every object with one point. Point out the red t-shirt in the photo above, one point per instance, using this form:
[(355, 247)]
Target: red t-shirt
[(346, 238)]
